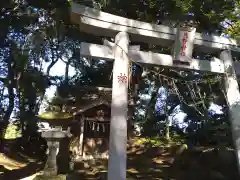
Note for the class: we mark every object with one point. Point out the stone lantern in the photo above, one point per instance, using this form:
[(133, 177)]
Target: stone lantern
[(57, 138)]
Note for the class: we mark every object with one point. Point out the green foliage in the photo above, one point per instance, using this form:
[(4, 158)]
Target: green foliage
[(154, 142), (206, 14), (233, 21), (12, 131), (52, 115), (159, 141), (234, 30), (34, 33)]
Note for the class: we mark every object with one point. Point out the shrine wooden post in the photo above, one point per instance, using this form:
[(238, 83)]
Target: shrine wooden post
[(103, 24)]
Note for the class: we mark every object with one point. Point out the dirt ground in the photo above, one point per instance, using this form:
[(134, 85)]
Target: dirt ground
[(164, 162), (172, 162)]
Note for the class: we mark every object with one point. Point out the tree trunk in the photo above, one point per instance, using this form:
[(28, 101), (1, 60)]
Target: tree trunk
[(167, 131), (9, 110), (10, 89), (3, 127)]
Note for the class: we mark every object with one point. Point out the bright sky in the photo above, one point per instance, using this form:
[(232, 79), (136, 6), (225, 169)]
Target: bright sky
[(57, 70)]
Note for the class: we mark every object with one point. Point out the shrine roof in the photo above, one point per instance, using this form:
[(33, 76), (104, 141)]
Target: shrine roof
[(86, 98)]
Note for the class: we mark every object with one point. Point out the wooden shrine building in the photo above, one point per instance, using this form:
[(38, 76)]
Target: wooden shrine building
[(91, 109)]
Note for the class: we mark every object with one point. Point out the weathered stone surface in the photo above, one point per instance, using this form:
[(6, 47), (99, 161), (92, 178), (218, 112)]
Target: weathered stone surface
[(51, 164), (54, 134), (63, 157)]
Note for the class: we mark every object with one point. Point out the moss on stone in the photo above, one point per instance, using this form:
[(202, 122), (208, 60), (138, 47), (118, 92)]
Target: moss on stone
[(54, 115)]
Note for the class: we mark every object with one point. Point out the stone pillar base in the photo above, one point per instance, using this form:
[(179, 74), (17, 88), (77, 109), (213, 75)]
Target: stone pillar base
[(50, 171), (53, 140)]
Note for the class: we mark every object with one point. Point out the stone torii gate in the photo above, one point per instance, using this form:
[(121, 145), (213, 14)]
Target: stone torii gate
[(103, 24)]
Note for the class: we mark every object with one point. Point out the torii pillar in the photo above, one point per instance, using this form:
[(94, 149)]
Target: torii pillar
[(233, 100), (118, 125)]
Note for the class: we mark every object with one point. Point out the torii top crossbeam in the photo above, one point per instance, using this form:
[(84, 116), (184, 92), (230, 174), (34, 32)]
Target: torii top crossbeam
[(104, 24), (100, 23)]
